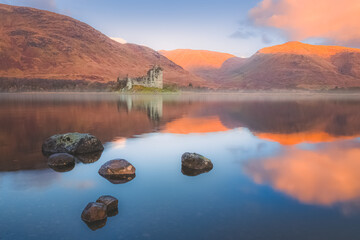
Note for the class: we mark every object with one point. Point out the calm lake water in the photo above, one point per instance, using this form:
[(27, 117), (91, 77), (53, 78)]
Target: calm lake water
[(283, 168)]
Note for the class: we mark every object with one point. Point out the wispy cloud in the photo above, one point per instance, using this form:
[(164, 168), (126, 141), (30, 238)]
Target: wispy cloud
[(335, 21)]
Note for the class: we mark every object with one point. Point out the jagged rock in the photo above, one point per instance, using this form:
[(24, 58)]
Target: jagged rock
[(196, 162), (73, 143), (110, 202), (61, 162), (117, 171), (94, 212)]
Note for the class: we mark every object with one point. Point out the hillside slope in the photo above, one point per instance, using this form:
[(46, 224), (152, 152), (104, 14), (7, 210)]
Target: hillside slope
[(203, 63), (296, 65), (37, 44)]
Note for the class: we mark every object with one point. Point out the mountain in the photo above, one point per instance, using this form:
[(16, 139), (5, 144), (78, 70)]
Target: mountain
[(37, 44), (203, 63), (295, 65)]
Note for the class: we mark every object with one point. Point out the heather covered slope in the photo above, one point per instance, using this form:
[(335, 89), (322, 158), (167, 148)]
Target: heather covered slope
[(36, 44), (296, 65)]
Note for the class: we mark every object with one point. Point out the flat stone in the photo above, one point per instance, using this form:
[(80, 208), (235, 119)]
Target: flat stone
[(73, 143), (117, 169), (110, 202), (94, 212), (196, 161), (61, 160)]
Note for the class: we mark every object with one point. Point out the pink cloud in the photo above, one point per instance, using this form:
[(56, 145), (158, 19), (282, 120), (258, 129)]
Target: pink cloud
[(334, 20)]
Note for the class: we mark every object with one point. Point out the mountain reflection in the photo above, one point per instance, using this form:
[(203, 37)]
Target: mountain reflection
[(326, 175), (188, 125), (26, 120)]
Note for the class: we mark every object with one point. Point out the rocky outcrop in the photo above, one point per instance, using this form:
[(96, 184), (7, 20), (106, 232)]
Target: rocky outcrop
[(61, 162), (110, 202), (73, 143), (193, 164), (94, 212), (118, 171)]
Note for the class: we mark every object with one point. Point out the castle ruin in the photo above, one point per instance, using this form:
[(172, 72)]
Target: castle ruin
[(153, 78)]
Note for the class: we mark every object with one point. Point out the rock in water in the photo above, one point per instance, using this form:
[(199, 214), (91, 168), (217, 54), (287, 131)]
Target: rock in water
[(193, 172), (117, 171), (110, 202), (196, 161), (93, 212), (61, 160), (87, 158), (73, 143), (96, 225)]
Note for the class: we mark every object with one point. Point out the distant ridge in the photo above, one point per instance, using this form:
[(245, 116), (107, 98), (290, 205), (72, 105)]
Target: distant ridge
[(293, 65), (296, 65)]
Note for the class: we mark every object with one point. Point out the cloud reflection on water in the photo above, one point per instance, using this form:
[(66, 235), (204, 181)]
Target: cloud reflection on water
[(325, 175)]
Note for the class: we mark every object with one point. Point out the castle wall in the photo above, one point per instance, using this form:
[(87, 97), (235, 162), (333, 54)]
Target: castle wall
[(154, 78)]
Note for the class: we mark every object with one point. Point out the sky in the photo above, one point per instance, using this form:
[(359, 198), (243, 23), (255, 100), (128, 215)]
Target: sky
[(233, 26)]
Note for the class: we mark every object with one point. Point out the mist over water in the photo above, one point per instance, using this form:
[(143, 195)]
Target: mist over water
[(284, 167)]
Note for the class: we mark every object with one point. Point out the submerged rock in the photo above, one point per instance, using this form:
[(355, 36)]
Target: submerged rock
[(196, 161), (73, 143), (110, 202), (118, 171), (63, 169), (193, 172), (89, 157), (93, 212), (61, 161), (97, 224)]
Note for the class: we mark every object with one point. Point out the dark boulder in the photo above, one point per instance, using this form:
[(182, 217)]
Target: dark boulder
[(195, 161), (117, 171), (94, 212), (73, 143), (110, 202), (61, 161)]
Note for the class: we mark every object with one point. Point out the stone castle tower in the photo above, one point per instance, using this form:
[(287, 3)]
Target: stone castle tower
[(153, 78)]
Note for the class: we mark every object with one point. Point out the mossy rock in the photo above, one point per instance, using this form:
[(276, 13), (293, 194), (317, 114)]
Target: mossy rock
[(72, 143)]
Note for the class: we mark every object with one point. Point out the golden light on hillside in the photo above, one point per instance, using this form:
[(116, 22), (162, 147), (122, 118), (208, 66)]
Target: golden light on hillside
[(307, 49), (192, 59)]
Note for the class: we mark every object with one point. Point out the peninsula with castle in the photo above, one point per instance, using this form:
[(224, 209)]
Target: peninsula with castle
[(153, 79)]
